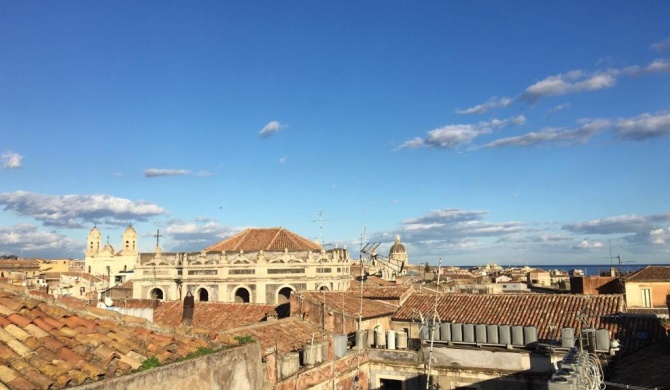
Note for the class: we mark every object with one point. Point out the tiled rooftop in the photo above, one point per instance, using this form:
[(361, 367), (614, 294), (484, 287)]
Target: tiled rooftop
[(46, 345), (648, 368), (350, 303), (289, 334), (131, 303), (540, 310), (658, 311), (214, 316), (267, 239), (650, 273), (20, 263), (548, 312), (394, 292), (82, 275)]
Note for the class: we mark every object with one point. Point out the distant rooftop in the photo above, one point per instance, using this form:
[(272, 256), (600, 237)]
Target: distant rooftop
[(266, 239)]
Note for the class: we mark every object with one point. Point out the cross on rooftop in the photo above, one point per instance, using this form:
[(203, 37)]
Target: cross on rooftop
[(158, 235)]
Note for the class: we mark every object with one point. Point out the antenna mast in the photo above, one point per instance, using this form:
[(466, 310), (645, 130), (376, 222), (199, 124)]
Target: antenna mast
[(432, 326)]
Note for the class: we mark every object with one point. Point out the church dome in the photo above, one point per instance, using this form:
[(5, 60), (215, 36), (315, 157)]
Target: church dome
[(397, 248)]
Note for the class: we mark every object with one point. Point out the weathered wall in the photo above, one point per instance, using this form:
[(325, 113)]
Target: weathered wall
[(335, 320), (460, 367), (233, 369), (341, 372), (593, 285)]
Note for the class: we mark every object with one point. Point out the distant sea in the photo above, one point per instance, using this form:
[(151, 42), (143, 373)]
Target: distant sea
[(589, 269)]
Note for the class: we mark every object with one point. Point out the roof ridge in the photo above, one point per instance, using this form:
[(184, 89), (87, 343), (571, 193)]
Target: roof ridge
[(272, 241)]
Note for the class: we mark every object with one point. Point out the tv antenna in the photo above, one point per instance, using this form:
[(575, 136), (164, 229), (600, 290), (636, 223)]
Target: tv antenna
[(320, 220)]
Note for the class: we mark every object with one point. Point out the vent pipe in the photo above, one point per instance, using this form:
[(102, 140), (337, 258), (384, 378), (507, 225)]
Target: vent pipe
[(189, 306)]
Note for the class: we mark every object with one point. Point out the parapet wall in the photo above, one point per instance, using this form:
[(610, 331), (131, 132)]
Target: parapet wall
[(237, 368)]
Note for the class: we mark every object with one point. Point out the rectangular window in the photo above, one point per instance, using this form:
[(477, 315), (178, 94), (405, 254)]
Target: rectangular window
[(286, 271), (203, 272), (646, 297), (323, 270), (243, 271)]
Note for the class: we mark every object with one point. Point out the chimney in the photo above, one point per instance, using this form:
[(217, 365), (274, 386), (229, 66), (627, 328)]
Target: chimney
[(189, 306)]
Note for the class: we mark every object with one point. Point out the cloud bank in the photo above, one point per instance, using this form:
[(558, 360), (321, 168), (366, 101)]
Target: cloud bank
[(76, 211), (453, 136)]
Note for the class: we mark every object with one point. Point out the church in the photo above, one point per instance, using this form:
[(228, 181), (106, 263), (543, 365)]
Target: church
[(104, 260), (258, 265)]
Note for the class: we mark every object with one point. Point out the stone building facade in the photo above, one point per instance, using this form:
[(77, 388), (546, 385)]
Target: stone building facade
[(253, 266), (98, 257)]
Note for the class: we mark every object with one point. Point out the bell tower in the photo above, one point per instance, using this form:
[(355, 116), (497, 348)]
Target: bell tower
[(93, 242), (129, 243)]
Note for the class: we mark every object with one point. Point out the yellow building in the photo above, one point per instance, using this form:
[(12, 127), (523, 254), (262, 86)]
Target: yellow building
[(104, 260), (253, 266)]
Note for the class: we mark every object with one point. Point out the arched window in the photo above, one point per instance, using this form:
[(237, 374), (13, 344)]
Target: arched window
[(157, 293), (283, 295), (242, 295), (203, 295), (323, 288)]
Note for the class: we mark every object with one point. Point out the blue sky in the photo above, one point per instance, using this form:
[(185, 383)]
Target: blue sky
[(515, 133)]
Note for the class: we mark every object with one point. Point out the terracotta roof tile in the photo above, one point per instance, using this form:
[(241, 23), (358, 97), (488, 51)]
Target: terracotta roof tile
[(289, 334), (349, 302), (393, 292), (134, 303), (49, 346), (17, 332), (4, 322), (548, 312), (18, 320), (214, 316), (650, 273), (267, 239)]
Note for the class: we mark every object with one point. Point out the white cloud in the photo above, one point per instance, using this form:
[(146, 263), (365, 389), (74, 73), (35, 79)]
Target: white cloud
[(155, 172), (282, 160), (557, 108), (616, 224), (453, 136), (589, 245), (11, 160), (661, 46), (74, 211), (643, 126), (27, 241), (197, 235), (269, 129), (448, 224), (659, 236), (492, 103), (656, 66), (204, 173), (579, 135), (566, 83)]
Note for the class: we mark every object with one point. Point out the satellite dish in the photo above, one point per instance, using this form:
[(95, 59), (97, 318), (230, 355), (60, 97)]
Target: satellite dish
[(109, 302)]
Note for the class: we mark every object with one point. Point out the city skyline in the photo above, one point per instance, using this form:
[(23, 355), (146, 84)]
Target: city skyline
[(478, 132)]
